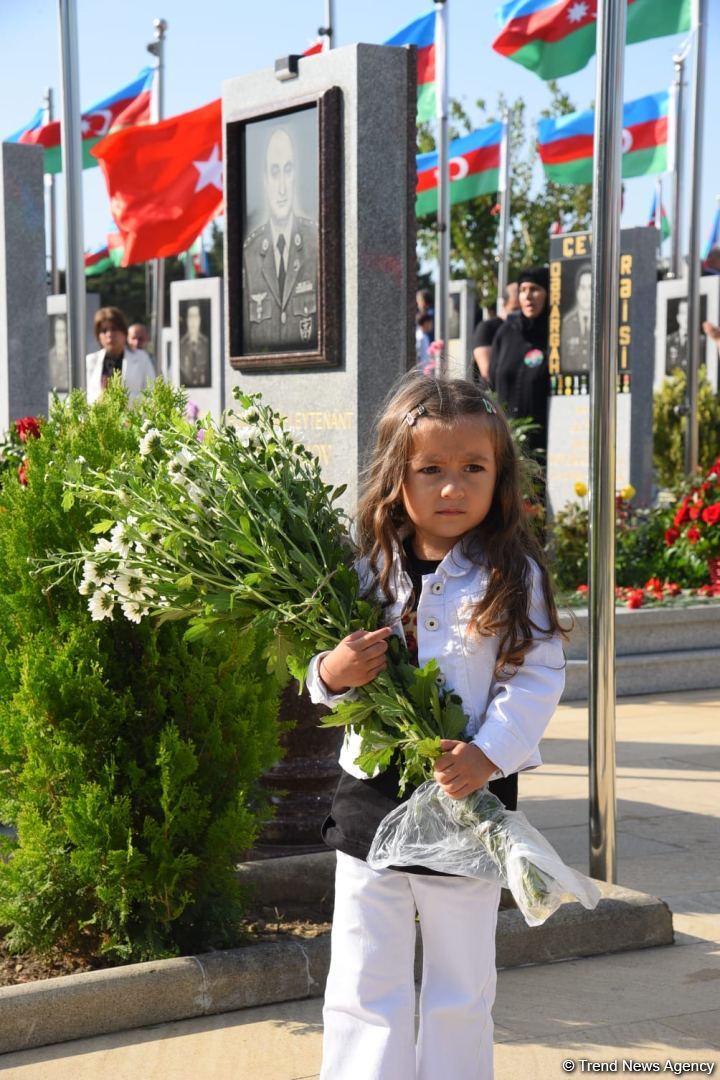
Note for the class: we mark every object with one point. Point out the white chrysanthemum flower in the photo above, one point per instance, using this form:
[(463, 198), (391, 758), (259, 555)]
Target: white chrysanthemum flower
[(91, 572), (103, 545), (101, 604), (150, 441), (139, 548), (134, 610), (195, 494), (87, 586), (132, 585), (120, 540), (246, 433), (180, 461)]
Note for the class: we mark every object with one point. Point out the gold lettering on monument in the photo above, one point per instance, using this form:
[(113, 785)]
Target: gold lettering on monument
[(321, 421)]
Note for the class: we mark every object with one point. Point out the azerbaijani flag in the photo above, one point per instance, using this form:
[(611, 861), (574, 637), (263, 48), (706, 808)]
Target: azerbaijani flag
[(128, 106), (557, 37), (662, 224), (104, 256), (421, 34), (474, 162), (565, 143), (713, 239)]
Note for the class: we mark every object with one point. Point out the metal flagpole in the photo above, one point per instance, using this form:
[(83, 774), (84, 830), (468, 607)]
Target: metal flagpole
[(504, 209), (443, 211), (71, 146), (52, 207), (607, 154), (157, 48), (328, 30), (694, 268), (677, 158), (658, 212)]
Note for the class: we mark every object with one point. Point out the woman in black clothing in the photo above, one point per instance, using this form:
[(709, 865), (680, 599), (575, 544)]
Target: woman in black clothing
[(519, 360)]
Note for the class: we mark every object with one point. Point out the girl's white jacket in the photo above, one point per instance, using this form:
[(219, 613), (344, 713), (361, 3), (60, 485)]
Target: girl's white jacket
[(507, 717)]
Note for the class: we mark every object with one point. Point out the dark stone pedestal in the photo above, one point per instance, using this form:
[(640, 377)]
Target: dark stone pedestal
[(303, 782)]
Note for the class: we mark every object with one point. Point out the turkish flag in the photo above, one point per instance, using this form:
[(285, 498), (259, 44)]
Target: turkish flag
[(164, 181)]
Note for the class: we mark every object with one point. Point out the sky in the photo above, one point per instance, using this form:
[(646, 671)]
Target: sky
[(216, 40)]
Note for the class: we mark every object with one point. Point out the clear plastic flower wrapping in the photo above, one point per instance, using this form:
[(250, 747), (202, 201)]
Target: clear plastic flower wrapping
[(477, 837)]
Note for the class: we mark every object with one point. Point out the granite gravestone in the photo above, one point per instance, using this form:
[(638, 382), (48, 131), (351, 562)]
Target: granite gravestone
[(58, 360), (23, 288), (569, 361), (671, 331), (367, 235), (461, 323), (197, 341)]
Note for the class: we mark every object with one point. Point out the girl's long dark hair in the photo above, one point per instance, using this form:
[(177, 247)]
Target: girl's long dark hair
[(504, 542)]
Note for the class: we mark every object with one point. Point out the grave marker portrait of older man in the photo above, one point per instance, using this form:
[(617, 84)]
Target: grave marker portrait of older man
[(58, 357), (280, 244)]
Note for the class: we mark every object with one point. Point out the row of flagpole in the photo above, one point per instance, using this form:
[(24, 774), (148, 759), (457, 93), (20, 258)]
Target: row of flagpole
[(71, 146)]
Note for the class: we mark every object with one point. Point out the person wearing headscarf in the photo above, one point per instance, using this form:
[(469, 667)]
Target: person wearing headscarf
[(519, 359)]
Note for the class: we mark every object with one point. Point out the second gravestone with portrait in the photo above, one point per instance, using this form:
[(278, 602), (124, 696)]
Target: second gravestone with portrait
[(569, 363), (58, 356), (197, 347), (320, 242), (672, 339)]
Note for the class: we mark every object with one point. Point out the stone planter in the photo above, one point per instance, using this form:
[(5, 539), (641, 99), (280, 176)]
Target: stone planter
[(657, 650)]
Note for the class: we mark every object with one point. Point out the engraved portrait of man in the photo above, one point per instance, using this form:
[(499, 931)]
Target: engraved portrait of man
[(575, 330), (280, 283), (194, 345), (58, 357)]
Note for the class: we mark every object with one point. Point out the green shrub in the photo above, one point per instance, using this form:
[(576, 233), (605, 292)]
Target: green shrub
[(669, 428), (129, 758)]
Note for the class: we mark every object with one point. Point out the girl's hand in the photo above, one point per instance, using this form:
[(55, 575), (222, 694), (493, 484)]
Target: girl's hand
[(462, 769), (356, 660)]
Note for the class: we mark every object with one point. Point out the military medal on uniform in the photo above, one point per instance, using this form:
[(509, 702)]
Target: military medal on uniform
[(257, 298)]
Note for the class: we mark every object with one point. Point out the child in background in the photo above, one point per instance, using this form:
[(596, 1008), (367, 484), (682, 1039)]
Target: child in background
[(444, 541)]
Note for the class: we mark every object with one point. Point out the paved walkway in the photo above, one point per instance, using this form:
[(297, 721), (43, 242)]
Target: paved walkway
[(654, 1006)]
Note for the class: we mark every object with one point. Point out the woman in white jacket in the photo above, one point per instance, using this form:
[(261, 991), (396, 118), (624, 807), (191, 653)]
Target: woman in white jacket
[(115, 355)]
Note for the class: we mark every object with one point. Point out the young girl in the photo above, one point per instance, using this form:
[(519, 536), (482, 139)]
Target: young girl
[(444, 540)]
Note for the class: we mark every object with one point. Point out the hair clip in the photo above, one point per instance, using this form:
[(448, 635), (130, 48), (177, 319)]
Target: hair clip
[(412, 416), (489, 407)]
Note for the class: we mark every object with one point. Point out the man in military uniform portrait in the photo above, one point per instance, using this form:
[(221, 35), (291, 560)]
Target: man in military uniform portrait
[(280, 263), (677, 340), (575, 329), (58, 357), (194, 349)]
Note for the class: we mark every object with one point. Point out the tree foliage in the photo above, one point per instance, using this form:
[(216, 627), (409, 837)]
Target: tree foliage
[(669, 427), (475, 223)]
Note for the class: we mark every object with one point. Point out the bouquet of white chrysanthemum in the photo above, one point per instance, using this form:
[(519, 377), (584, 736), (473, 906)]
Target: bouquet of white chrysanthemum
[(232, 521)]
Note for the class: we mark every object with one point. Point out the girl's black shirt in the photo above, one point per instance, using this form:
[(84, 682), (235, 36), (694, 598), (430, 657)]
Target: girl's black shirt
[(359, 806)]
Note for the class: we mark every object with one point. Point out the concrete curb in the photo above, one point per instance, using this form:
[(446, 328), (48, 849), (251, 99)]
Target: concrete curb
[(139, 995)]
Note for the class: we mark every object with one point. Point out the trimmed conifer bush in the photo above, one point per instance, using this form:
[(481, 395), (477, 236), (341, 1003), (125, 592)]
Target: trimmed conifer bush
[(129, 758)]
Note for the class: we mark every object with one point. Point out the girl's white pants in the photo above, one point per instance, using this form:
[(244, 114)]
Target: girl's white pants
[(369, 1013)]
